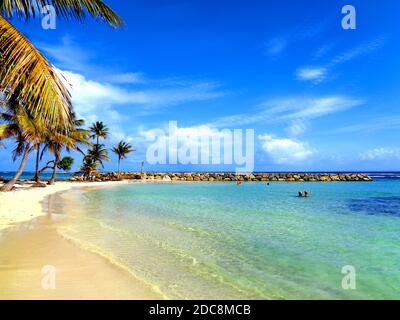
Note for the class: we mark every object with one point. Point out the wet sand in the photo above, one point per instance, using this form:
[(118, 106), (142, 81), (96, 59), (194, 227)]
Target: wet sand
[(30, 251), (25, 253)]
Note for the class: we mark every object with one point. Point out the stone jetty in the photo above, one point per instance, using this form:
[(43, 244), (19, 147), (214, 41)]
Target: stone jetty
[(219, 176)]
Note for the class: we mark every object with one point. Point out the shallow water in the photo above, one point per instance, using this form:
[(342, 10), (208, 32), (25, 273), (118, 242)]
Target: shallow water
[(219, 240)]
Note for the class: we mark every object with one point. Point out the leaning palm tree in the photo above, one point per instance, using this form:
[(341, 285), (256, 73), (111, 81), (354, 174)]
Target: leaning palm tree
[(68, 139), (25, 129), (25, 72), (122, 150), (98, 130)]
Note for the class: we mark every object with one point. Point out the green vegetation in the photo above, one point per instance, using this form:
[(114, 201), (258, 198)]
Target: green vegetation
[(122, 150), (35, 100)]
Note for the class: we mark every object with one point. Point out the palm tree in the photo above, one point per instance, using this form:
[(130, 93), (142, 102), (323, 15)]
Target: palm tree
[(70, 140), (89, 167), (26, 130), (98, 154), (99, 130), (25, 72), (122, 150)]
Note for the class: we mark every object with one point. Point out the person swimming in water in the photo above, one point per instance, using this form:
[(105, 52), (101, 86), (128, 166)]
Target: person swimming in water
[(300, 194), (306, 194)]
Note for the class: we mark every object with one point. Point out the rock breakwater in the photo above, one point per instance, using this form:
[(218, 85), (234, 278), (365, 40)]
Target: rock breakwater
[(218, 176)]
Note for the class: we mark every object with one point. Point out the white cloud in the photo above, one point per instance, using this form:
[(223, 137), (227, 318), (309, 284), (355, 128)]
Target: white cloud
[(93, 92), (284, 150), (381, 154), (315, 74), (291, 109), (94, 100)]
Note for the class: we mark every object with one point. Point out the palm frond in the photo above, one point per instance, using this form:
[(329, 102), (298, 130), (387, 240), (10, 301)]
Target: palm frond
[(69, 9), (26, 74), (8, 130), (19, 148)]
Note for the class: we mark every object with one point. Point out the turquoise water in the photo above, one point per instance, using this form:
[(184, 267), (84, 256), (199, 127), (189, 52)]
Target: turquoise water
[(28, 175), (219, 240)]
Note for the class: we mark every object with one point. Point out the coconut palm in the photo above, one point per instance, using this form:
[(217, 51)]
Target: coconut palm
[(122, 150), (25, 72), (98, 130), (89, 167), (26, 129), (98, 154), (68, 139)]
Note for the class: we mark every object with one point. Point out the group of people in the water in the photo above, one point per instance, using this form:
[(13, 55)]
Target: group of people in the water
[(304, 194)]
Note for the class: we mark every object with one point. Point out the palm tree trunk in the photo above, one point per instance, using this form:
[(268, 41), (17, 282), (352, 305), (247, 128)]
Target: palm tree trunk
[(119, 166), (53, 176), (8, 186), (36, 177)]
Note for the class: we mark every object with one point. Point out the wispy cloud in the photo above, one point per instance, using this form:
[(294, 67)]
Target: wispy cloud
[(94, 100), (285, 150), (384, 153), (370, 125), (317, 74), (275, 46), (357, 51), (296, 128), (127, 78), (307, 29), (314, 74), (322, 51), (290, 109), (67, 54)]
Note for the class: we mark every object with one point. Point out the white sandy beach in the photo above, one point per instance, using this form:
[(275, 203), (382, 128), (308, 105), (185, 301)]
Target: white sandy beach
[(26, 203), (24, 252)]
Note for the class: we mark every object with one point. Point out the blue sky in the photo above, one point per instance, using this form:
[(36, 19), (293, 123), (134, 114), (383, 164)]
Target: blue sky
[(318, 97)]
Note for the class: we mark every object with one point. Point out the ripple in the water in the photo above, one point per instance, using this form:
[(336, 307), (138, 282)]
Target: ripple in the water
[(376, 205)]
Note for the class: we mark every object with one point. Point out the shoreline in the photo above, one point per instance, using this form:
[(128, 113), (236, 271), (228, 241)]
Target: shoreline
[(26, 203), (29, 242)]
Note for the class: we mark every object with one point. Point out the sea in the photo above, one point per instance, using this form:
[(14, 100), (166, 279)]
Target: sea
[(200, 240)]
